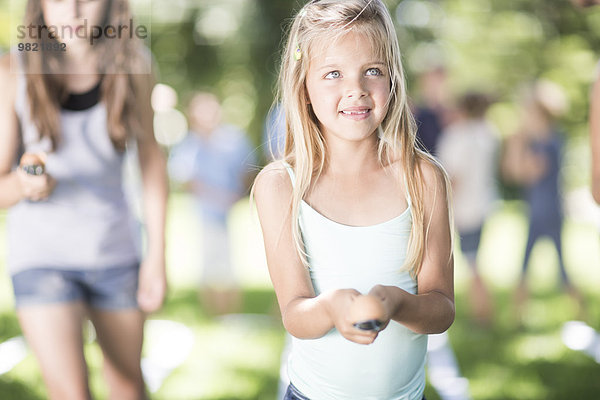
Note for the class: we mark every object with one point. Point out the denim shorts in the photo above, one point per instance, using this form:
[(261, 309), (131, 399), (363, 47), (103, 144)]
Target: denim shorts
[(107, 288), (293, 393)]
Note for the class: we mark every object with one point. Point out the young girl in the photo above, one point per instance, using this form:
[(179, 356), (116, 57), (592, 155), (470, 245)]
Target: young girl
[(355, 218), (72, 251)]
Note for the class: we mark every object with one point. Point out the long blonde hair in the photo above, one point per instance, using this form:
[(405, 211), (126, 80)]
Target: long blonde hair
[(121, 62), (320, 21)]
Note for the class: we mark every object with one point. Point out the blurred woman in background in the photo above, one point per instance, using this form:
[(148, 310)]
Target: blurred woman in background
[(72, 107)]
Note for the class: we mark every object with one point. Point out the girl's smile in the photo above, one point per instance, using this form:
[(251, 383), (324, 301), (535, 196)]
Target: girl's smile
[(356, 113)]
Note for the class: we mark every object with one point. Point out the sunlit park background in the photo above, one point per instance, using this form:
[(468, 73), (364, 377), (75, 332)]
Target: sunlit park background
[(231, 47)]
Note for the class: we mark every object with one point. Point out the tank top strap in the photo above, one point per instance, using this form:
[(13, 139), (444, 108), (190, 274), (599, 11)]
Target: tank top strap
[(408, 200), (290, 172)]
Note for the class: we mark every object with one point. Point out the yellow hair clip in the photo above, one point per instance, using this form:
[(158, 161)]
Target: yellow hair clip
[(297, 53)]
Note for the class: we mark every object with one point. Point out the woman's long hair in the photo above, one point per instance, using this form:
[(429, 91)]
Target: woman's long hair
[(325, 21), (122, 64)]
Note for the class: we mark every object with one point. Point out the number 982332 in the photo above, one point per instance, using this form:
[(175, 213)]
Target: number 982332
[(42, 47)]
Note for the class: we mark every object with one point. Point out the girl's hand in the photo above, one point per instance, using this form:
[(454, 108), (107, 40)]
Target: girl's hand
[(339, 304), (391, 304), (35, 187), (367, 308), (152, 284)]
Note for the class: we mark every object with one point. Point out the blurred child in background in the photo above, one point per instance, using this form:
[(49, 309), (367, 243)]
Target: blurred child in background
[(432, 112), (214, 162), (532, 159), (468, 149)]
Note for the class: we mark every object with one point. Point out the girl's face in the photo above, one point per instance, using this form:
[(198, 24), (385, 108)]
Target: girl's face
[(74, 19), (348, 88)]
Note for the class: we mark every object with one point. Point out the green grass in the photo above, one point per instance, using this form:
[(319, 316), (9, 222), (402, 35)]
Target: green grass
[(238, 358)]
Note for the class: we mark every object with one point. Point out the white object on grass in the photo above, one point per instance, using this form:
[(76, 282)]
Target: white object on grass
[(12, 352), (577, 335), (168, 344)]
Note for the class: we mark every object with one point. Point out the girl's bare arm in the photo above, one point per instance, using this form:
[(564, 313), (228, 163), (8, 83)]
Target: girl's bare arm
[(10, 190), (154, 180), (15, 185), (431, 310)]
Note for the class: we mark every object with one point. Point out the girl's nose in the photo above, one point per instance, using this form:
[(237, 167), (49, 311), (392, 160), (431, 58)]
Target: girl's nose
[(356, 89)]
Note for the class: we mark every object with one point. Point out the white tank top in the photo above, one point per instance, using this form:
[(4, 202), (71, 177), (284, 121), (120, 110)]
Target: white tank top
[(86, 222), (358, 257)]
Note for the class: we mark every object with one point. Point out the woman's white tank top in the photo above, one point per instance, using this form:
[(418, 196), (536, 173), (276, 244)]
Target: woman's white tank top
[(86, 222), (358, 257)]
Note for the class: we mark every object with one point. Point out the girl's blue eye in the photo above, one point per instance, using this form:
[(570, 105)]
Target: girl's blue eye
[(333, 75), (374, 72)]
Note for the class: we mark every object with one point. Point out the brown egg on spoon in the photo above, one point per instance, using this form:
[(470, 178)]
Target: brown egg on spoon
[(367, 313), (33, 163)]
